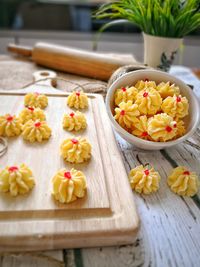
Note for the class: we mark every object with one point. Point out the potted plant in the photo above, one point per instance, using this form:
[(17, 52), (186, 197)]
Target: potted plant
[(164, 23)]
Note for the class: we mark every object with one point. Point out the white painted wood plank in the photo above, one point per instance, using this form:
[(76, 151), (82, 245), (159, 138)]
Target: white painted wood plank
[(170, 231), (69, 258), (123, 256), (56, 254), (170, 221), (30, 260)]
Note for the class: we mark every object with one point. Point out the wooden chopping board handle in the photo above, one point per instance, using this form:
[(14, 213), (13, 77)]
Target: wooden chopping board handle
[(75, 61), (45, 74)]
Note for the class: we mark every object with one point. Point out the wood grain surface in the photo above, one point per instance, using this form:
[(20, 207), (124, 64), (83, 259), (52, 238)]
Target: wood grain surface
[(44, 159), (103, 211)]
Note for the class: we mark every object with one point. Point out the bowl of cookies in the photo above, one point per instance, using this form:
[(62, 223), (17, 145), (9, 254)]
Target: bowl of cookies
[(152, 109)]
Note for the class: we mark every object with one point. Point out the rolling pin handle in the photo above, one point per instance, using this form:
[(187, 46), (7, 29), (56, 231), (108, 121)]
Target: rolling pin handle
[(20, 50)]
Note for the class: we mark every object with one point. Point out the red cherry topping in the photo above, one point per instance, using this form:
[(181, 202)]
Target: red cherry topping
[(122, 112), (74, 141), (175, 125), (178, 99), (13, 169), (71, 114), (145, 94), (78, 93), (37, 124), (146, 172), (146, 80), (9, 118), (144, 134), (168, 129), (31, 109), (123, 89), (186, 173), (67, 175)]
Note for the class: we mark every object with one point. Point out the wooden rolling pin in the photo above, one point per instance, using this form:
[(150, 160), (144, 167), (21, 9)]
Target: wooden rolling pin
[(75, 61)]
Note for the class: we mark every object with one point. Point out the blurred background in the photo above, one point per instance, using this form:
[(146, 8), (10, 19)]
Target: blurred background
[(70, 22)]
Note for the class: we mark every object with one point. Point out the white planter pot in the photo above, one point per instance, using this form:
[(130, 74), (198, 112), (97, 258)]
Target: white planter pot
[(159, 52)]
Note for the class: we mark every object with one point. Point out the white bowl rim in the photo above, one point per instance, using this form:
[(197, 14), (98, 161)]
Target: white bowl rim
[(147, 142)]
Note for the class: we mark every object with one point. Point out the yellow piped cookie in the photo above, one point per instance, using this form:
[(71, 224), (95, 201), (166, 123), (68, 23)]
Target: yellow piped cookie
[(167, 89), (141, 128), (36, 131), (126, 114), (149, 101), (176, 106), (180, 128), (16, 180), (10, 126), (31, 113), (125, 94), (144, 180), (78, 100), (74, 121), (162, 127), (68, 186), (143, 84), (183, 182), (76, 150), (36, 100)]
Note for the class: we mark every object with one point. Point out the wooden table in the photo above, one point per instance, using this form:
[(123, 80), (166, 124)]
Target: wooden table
[(170, 225)]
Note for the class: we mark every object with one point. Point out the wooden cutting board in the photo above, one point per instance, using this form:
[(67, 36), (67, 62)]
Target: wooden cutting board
[(105, 216)]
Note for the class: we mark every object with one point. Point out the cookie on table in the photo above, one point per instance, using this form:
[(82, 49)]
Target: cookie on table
[(16, 180), (77, 100), (36, 131), (75, 150), (74, 121), (68, 186), (183, 182), (144, 180), (36, 100), (31, 113), (10, 126)]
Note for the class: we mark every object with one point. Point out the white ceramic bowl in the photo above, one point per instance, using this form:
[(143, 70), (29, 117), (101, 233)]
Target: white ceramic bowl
[(191, 121)]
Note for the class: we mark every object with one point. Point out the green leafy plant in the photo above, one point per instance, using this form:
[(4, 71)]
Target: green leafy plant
[(166, 18)]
